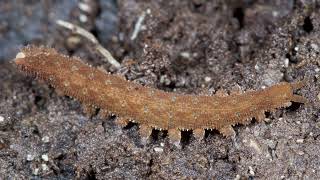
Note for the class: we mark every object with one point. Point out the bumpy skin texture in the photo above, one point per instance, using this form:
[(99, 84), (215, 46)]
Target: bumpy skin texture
[(150, 107)]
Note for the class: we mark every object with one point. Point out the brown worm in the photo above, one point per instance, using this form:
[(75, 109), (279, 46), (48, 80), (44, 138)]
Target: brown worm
[(153, 108)]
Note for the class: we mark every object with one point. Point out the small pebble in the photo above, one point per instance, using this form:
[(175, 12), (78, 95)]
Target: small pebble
[(44, 167), (296, 48), (207, 79), (256, 67), (267, 120), (318, 96), (29, 157), (238, 177), (45, 157), (73, 41), (83, 18), (185, 54), (84, 7), (300, 153), (315, 47), (251, 171), (45, 139), (275, 13), (158, 149), (1, 119), (286, 62), (36, 171), (300, 140), (311, 134), (162, 144)]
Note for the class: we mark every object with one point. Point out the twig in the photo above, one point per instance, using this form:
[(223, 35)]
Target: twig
[(137, 26), (79, 30)]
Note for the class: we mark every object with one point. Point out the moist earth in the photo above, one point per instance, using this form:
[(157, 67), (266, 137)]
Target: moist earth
[(192, 47)]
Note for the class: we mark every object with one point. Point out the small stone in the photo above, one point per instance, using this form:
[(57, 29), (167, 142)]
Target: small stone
[(36, 171), (300, 140), (300, 153), (238, 177), (256, 67), (45, 139), (73, 42), (30, 157), (286, 62), (315, 47), (251, 171), (267, 120), (275, 13), (1, 119), (83, 18), (45, 157), (296, 48), (207, 79), (185, 54), (158, 149), (318, 96), (162, 144), (84, 7), (44, 167), (311, 134)]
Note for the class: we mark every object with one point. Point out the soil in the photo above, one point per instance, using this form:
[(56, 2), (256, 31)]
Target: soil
[(193, 47)]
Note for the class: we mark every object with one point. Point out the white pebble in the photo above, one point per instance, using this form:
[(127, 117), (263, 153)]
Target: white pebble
[(44, 167), (45, 157), (296, 48), (1, 119), (300, 140), (84, 7), (207, 79), (158, 149), (29, 157), (300, 153), (286, 62), (45, 139), (36, 171), (315, 47), (251, 171), (256, 67), (83, 18), (275, 13), (238, 177), (185, 54), (161, 144)]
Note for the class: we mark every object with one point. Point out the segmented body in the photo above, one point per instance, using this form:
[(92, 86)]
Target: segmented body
[(152, 108)]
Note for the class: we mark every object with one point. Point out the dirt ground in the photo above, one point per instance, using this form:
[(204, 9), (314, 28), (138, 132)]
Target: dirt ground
[(193, 47)]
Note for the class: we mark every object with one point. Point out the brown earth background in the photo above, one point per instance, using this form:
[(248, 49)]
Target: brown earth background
[(192, 47)]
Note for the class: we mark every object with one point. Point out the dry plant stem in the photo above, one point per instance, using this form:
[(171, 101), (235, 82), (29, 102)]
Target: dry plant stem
[(137, 26), (78, 30), (153, 108)]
